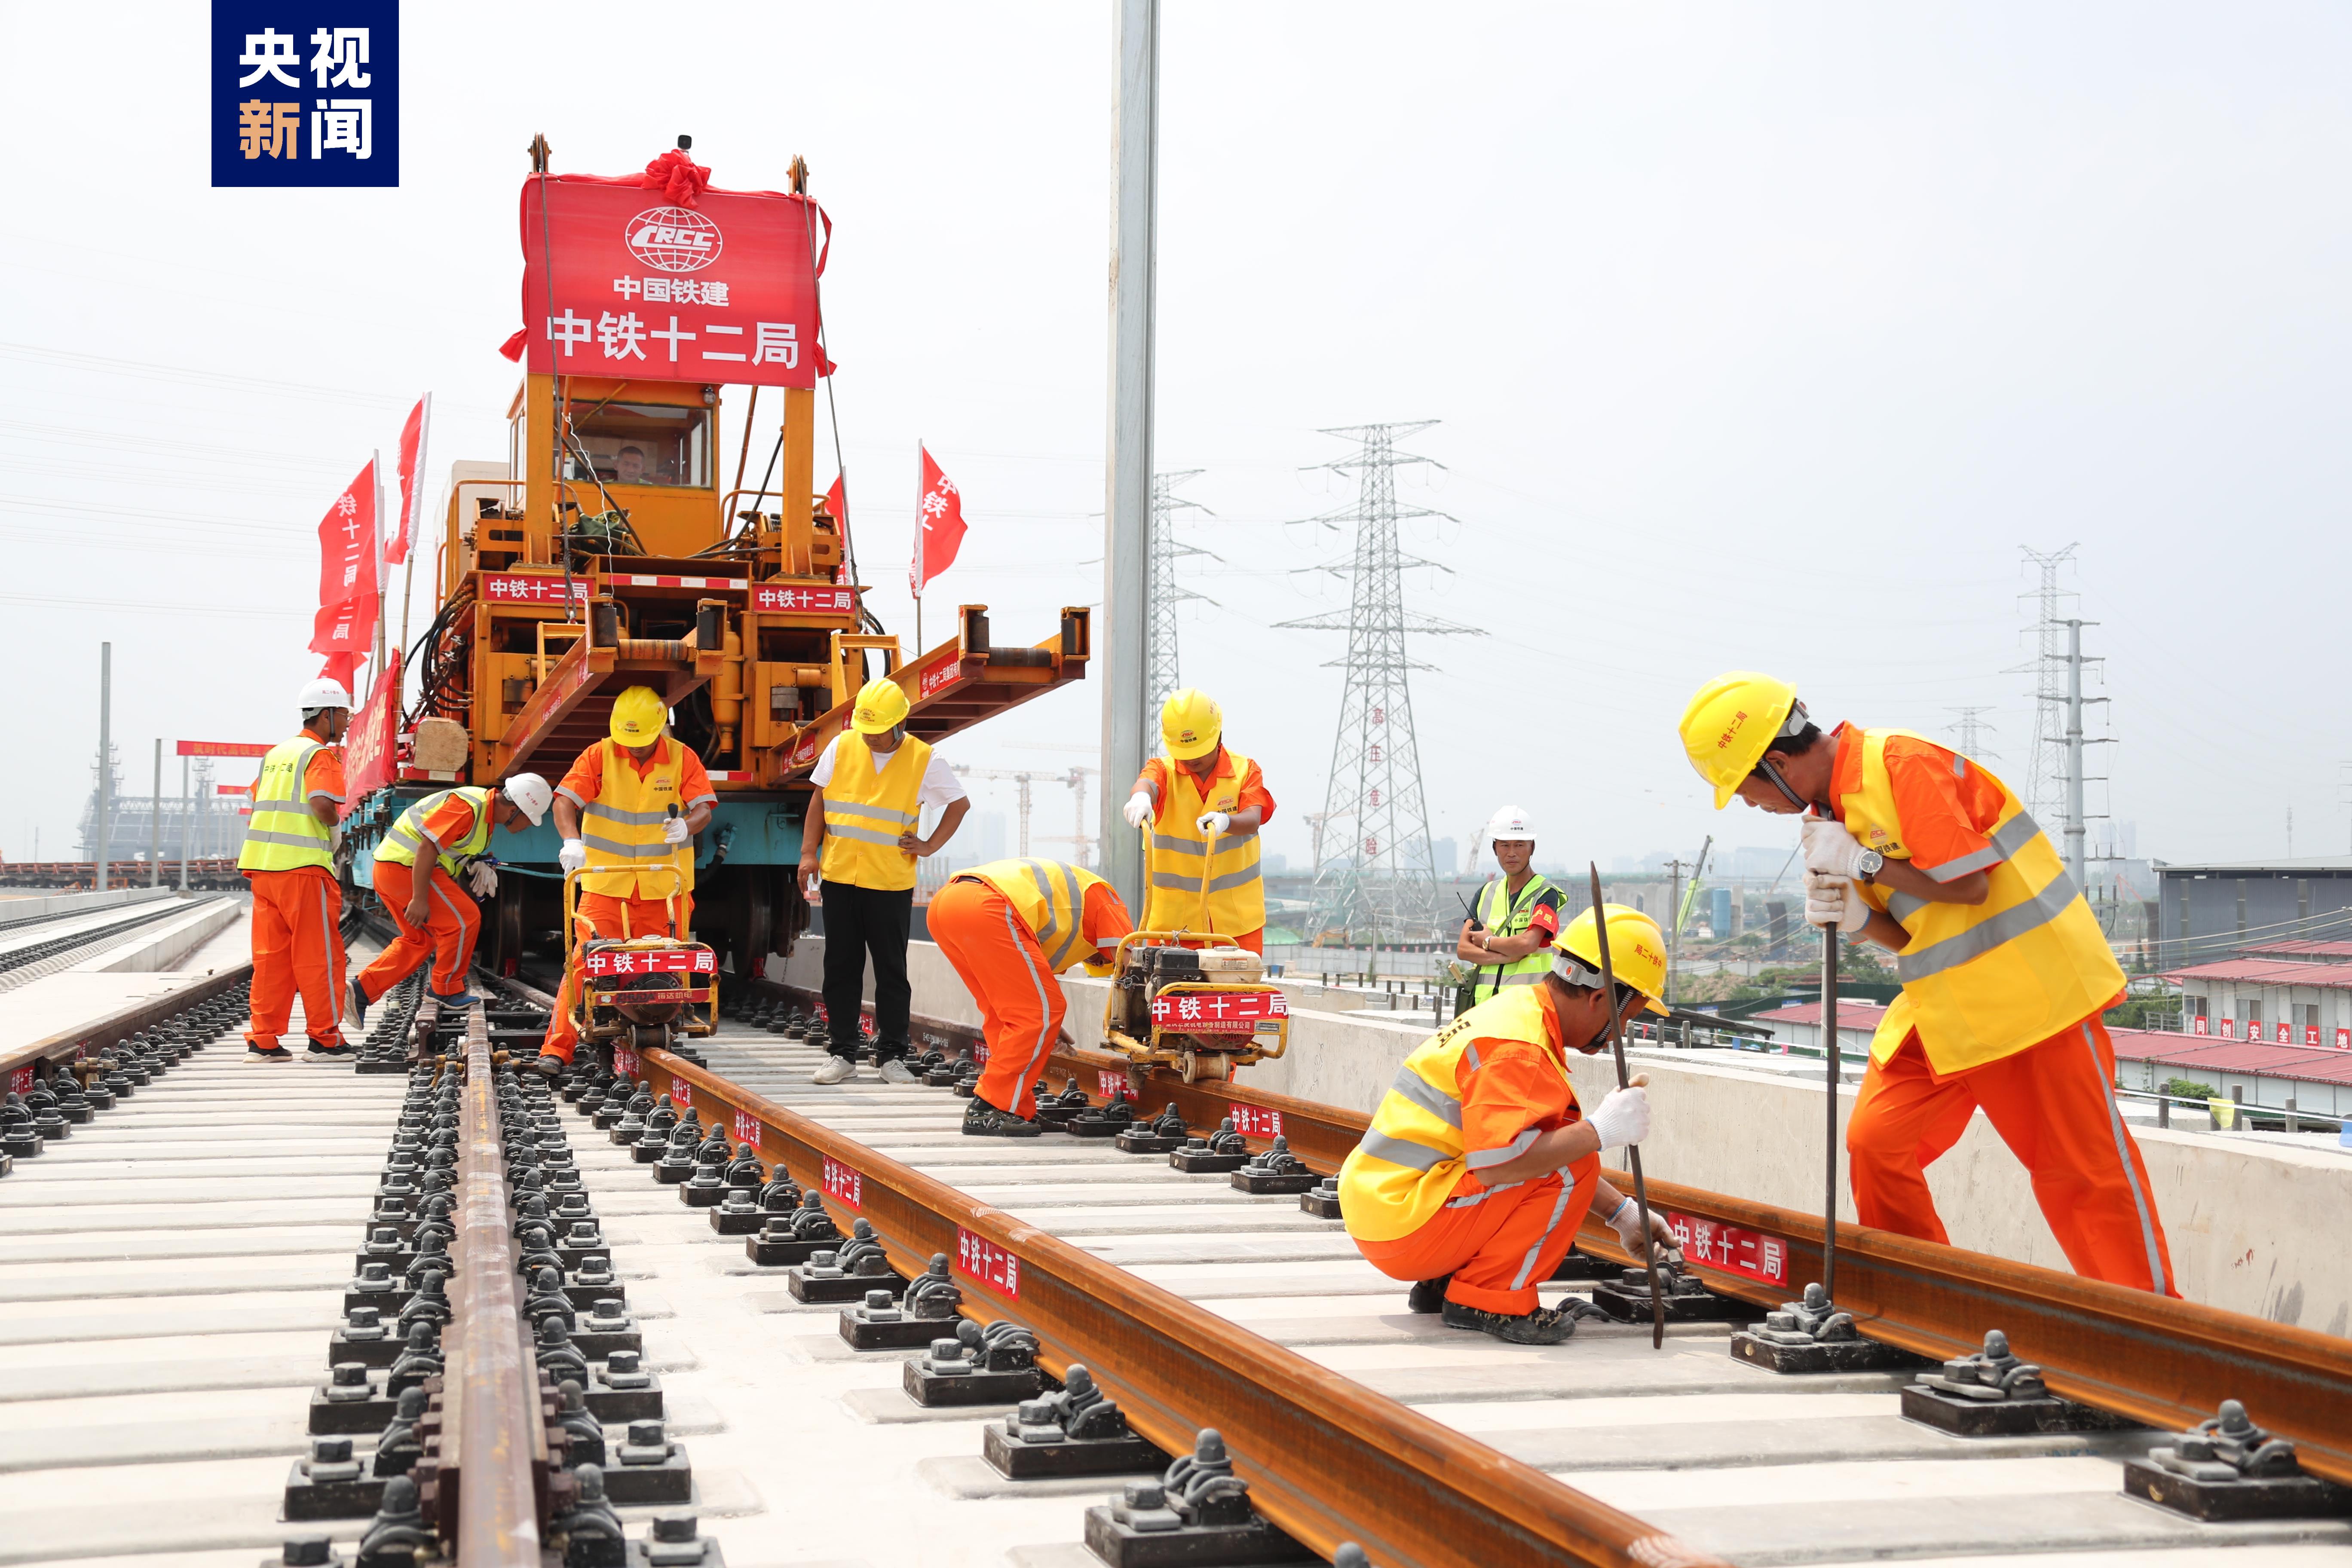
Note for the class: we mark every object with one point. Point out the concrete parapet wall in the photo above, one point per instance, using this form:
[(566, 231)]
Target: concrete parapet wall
[(163, 946), (2253, 1227), (82, 903)]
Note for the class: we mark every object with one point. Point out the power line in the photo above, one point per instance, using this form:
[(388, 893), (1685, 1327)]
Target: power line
[(1971, 724)]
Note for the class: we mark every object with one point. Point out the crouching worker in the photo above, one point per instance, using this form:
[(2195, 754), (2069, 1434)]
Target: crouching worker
[(1480, 1165), (1009, 928)]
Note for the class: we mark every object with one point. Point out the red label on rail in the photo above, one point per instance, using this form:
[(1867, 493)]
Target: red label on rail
[(844, 1184), (681, 1093), (626, 1062), (1255, 1121), (1113, 1085), (20, 1081), (990, 1264), (747, 1128), (1730, 1249), (1217, 1011)]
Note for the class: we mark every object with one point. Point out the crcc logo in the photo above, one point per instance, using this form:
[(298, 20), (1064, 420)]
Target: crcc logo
[(674, 239)]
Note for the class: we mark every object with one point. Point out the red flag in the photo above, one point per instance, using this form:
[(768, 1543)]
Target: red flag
[(938, 532), (348, 541), (412, 453), (836, 503)]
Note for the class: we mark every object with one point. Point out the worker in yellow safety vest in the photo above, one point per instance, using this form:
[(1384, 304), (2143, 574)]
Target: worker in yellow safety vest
[(1479, 1164), (1206, 806), (2005, 972), (289, 861), (1516, 916), (859, 851), (627, 812)]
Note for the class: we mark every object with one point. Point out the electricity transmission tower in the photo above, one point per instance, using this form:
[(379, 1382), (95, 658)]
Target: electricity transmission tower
[(2045, 771), (1165, 593), (1971, 726), (1386, 889)]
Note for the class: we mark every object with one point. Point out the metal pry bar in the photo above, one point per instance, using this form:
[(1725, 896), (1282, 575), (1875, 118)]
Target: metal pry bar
[(1624, 1080)]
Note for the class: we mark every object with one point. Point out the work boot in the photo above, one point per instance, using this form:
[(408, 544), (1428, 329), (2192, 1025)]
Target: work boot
[(1544, 1326), (254, 1053), (457, 1002), (359, 1003), (1428, 1295), (982, 1120), (549, 1065), (338, 1052), (895, 1071), (834, 1069)]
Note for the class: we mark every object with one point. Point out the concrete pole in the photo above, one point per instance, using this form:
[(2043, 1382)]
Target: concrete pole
[(105, 757), (188, 824), (155, 823), (2074, 751), (1127, 510)]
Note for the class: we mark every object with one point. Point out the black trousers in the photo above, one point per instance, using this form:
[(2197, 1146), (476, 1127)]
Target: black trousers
[(859, 922)]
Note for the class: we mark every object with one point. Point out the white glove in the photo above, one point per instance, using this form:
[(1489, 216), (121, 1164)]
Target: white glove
[(674, 830), (1829, 846), (1138, 809), (1216, 823), (1627, 1223), (335, 839), (573, 856), (1623, 1117), (1832, 901), (483, 878)]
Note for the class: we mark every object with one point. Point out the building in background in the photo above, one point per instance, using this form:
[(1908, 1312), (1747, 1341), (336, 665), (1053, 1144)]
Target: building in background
[(2218, 909)]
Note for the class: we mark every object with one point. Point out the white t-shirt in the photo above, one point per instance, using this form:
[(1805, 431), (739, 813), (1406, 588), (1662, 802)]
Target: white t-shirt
[(940, 787)]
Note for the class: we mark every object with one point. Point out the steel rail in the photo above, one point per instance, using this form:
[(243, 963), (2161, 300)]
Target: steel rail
[(111, 1029), (2156, 1359), (496, 1450), (1327, 1459)]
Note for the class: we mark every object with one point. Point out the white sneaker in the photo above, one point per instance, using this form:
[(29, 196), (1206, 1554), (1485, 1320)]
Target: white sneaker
[(895, 1071), (834, 1069)]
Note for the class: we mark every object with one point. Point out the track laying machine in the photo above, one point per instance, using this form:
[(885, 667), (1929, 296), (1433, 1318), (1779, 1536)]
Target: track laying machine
[(610, 549)]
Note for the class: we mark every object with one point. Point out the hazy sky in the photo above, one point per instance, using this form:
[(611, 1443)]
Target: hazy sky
[(1760, 337)]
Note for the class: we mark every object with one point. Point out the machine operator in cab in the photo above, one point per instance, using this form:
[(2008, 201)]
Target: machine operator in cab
[(1205, 805), (436, 916), (628, 812), (859, 851), (288, 859), (2005, 972), (1479, 1163), (1516, 916)]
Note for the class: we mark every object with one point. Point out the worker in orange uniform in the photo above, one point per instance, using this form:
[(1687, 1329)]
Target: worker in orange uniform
[(288, 857), (2005, 972), (1203, 801), (435, 918), (1479, 1164), (1009, 927), (627, 812)]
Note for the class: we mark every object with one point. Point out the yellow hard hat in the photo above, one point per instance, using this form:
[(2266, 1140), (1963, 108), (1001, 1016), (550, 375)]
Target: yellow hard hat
[(1730, 722), (1637, 949), (881, 707), (638, 715), (1190, 723)]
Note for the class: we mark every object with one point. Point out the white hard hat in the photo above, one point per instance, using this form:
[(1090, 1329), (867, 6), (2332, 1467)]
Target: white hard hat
[(323, 693), (529, 792), (1511, 823)]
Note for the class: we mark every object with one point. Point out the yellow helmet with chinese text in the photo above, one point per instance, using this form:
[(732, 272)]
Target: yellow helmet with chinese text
[(638, 715), (1191, 723), (881, 707), (1729, 724), (1637, 953)]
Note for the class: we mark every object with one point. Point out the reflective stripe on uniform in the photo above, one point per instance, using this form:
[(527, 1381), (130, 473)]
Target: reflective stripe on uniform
[(1528, 1264), (1426, 1095), (628, 818), (878, 813), (834, 829), (656, 851), (1402, 1152), (2162, 1284), (1479, 1159), (2037, 910)]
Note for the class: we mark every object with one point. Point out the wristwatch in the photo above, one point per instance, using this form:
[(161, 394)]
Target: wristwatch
[(1866, 865)]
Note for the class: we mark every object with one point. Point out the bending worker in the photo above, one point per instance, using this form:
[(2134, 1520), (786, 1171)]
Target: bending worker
[(290, 859), (1479, 1164), (628, 812), (1517, 913), (1009, 928), (859, 848), (435, 918), (2005, 972), (1203, 801)]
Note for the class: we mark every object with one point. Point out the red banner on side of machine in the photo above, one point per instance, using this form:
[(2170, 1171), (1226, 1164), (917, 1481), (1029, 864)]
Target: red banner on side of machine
[(224, 748), (723, 290), (659, 961), (1236, 1011), (371, 751)]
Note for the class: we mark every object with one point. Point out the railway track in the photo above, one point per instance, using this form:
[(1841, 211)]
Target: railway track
[(27, 952)]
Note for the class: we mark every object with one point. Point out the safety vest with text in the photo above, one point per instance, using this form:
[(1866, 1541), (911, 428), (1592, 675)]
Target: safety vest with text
[(622, 829), (1181, 857), (1504, 915), (1982, 982), (283, 836), (1410, 1161), (1049, 897), (865, 811), (406, 836)]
